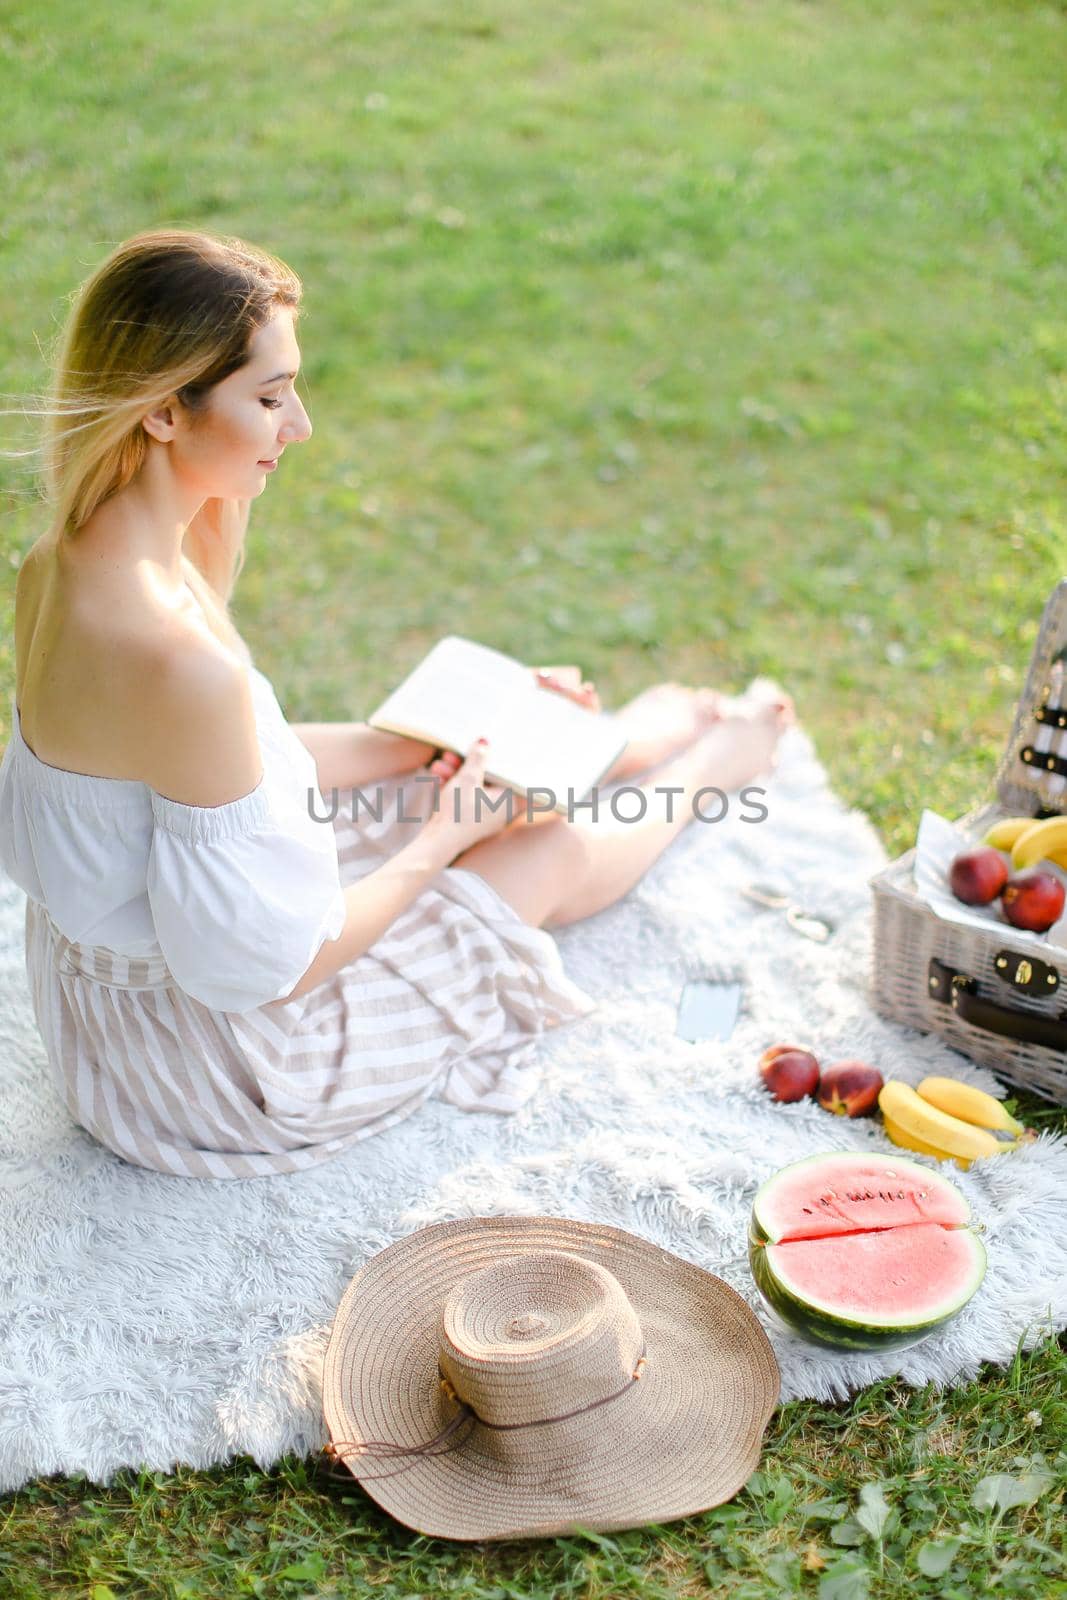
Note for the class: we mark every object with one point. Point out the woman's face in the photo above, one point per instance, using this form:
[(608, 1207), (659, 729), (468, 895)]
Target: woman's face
[(229, 448)]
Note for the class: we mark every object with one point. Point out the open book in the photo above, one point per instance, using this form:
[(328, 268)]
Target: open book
[(538, 740)]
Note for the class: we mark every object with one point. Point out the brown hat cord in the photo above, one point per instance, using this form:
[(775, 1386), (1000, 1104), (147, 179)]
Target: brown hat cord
[(340, 1449)]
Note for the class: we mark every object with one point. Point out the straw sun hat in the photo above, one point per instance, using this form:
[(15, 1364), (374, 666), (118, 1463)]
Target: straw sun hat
[(509, 1377)]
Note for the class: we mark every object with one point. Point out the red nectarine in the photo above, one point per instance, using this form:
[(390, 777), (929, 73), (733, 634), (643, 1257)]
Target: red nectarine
[(977, 876), (850, 1088), (1033, 899), (789, 1071)]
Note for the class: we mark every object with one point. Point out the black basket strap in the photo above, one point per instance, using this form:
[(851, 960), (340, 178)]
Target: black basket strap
[(960, 991), (1045, 760)]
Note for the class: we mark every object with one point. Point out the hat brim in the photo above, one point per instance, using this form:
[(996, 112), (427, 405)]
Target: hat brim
[(684, 1438)]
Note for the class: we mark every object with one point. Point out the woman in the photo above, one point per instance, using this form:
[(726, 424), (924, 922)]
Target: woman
[(225, 986)]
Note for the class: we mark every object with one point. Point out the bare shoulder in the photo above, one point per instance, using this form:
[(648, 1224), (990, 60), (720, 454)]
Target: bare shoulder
[(200, 745), (117, 678)]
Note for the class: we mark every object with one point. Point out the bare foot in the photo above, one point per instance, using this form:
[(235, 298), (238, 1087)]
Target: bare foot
[(744, 743), (669, 717), (665, 719)]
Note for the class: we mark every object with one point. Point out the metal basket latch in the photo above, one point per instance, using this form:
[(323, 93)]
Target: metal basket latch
[(1025, 974)]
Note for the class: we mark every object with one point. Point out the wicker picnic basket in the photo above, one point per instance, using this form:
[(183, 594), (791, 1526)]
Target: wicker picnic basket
[(987, 992)]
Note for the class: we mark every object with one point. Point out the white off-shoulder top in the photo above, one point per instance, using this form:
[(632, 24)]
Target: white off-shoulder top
[(237, 899)]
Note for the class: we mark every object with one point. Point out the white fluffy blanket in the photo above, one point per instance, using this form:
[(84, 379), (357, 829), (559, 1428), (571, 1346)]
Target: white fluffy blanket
[(147, 1320)]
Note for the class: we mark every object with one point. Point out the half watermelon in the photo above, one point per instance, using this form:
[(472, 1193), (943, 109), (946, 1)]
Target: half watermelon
[(863, 1252)]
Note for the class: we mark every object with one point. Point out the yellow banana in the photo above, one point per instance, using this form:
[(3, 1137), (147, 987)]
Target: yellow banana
[(1035, 843), (970, 1104), (1003, 834), (907, 1141), (920, 1120), (1057, 857)]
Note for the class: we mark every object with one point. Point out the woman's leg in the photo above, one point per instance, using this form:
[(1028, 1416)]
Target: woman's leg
[(660, 722), (562, 871)]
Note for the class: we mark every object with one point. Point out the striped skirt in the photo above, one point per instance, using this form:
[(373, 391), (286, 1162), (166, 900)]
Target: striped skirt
[(447, 1003)]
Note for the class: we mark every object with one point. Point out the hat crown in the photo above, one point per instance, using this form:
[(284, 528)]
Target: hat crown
[(535, 1336)]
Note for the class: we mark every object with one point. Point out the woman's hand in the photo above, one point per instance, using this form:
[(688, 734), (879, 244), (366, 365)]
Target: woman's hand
[(568, 682), (463, 816)]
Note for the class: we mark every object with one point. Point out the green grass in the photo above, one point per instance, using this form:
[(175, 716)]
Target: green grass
[(685, 341), (290, 1532)]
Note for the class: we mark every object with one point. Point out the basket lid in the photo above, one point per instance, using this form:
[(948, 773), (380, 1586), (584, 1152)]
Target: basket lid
[(1032, 775)]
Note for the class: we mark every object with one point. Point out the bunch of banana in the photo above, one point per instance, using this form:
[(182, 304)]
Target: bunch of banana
[(947, 1119), (1003, 834), (1030, 842)]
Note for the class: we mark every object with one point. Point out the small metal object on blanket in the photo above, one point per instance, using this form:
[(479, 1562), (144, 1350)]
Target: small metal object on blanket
[(812, 924)]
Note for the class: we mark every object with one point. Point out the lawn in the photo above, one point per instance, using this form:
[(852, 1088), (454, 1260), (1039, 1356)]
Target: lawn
[(686, 341)]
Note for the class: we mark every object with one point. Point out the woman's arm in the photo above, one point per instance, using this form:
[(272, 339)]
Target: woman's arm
[(350, 754), (373, 905)]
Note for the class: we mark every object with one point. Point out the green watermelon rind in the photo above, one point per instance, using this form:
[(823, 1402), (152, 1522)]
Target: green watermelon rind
[(758, 1230), (850, 1333)]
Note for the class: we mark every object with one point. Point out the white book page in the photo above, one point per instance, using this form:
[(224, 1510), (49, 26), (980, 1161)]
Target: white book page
[(548, 742), (462, 691), (459, 692)]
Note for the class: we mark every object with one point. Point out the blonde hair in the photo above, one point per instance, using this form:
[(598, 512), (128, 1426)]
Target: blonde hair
[(170, 312)]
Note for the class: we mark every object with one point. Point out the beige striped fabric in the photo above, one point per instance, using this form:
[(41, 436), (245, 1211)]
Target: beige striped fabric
[(447, 1003)]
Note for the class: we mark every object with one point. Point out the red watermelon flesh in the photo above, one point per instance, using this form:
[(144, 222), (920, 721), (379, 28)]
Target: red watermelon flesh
[(841, 1193), (898, 1276)]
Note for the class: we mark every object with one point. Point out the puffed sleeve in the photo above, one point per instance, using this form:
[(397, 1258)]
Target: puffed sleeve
[(243, 896)]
